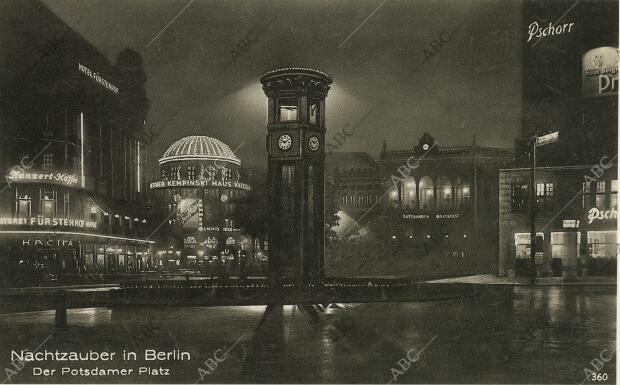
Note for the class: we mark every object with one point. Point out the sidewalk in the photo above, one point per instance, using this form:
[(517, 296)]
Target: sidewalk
[(489, 279)]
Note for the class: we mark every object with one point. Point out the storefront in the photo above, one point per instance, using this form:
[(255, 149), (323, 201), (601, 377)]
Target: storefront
[(576, 232), (32, 257)]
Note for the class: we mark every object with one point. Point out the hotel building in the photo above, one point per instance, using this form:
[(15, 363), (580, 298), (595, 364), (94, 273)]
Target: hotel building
[(72, 195)]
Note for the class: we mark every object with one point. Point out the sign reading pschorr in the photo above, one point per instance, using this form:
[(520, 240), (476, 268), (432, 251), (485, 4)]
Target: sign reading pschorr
[(198, 183), (59, 222), (600, 72)]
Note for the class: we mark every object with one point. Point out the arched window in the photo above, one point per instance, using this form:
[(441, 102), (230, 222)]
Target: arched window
[(392, 194), (426, 193), (407, 192), (463, 193), (444, 193)]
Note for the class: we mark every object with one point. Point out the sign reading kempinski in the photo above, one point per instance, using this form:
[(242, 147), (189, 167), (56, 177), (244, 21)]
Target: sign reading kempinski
[(199, 183), (61, 222)]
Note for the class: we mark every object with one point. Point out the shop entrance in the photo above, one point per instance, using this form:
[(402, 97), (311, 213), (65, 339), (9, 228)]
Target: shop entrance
[(564, 251)]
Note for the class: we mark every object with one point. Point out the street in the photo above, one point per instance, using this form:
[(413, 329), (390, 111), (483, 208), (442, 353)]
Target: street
[(540, 335)]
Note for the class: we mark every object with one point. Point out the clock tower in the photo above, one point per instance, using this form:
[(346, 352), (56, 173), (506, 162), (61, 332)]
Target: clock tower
[(296, 163)]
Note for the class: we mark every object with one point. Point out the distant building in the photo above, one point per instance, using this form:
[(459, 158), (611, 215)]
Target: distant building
[(201, 186), (422, 192), (570, 81), (72, 201)]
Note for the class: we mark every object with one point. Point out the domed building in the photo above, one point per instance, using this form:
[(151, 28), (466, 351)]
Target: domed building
[(202, 185)]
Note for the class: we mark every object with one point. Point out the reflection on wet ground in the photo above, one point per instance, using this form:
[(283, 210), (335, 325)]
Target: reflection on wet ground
[(539, 335)]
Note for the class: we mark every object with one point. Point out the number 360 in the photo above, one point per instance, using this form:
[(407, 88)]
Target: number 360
[(599, 377)]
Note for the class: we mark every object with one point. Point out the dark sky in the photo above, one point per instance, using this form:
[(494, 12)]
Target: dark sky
[(471, 86)]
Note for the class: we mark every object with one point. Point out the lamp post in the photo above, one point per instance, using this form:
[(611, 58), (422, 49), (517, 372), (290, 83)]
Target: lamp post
[(532, 209), (536, 141)]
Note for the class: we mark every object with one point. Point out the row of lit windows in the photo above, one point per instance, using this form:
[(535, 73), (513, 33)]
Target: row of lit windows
[(601, 194), (359, 200), (288, 110), (426, 194), (519, 197), (192, 173), (49, 208), (595, 194), (600, 244), (47, 204)]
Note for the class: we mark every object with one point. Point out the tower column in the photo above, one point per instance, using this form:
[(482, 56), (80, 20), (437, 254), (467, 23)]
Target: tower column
[(296, 158)]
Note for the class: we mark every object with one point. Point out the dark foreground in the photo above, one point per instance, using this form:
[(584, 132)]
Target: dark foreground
[(534, 335)]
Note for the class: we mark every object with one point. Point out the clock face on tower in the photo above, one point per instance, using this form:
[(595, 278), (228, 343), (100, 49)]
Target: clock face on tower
[(285, 142), (314, 143)]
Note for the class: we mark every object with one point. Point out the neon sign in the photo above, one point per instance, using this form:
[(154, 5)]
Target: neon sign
[(47, 242), (198, 183), (59, 222), (61, 177), (97, 78), (596, 214)]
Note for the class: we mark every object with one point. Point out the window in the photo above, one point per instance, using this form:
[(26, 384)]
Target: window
[(585, 196), (313, 111), (466, 194), (426, 193), (23, 205), (462, 193), (522, 245), (444, 193), (65, 205), (164, 173), (48, 161), (519, 197), (600, 195), (613, 200), (561, 244), (408, 192), (191, 172), (544, 196), (392, 195), (287, 110), (602, 244), (47, 203)]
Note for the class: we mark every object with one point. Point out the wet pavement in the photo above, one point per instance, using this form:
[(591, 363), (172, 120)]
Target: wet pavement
[(538, 335)]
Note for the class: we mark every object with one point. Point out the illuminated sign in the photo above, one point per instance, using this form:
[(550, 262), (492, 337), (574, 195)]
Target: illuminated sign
[(61, 177), (198, 183), (217, 228), (47, 242), (96, 77), (570, 223), (190, 240), (534, 30), (59, 222), (596, 214), (434, 216), (599, 76), (547, 139)]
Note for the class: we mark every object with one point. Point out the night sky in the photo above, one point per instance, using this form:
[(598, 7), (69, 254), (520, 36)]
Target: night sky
[(471, 84)]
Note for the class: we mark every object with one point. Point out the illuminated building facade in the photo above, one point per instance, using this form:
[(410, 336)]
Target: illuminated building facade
[(569, 86), (418, 193), (72, 201), (201, 186)]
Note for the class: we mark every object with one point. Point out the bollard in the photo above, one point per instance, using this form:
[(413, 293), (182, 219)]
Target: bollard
[(61, 310)]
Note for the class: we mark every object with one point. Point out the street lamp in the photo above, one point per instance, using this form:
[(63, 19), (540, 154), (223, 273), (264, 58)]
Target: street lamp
[(536, 141)]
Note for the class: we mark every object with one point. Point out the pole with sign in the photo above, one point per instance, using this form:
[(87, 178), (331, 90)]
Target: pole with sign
[(536, 141)]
